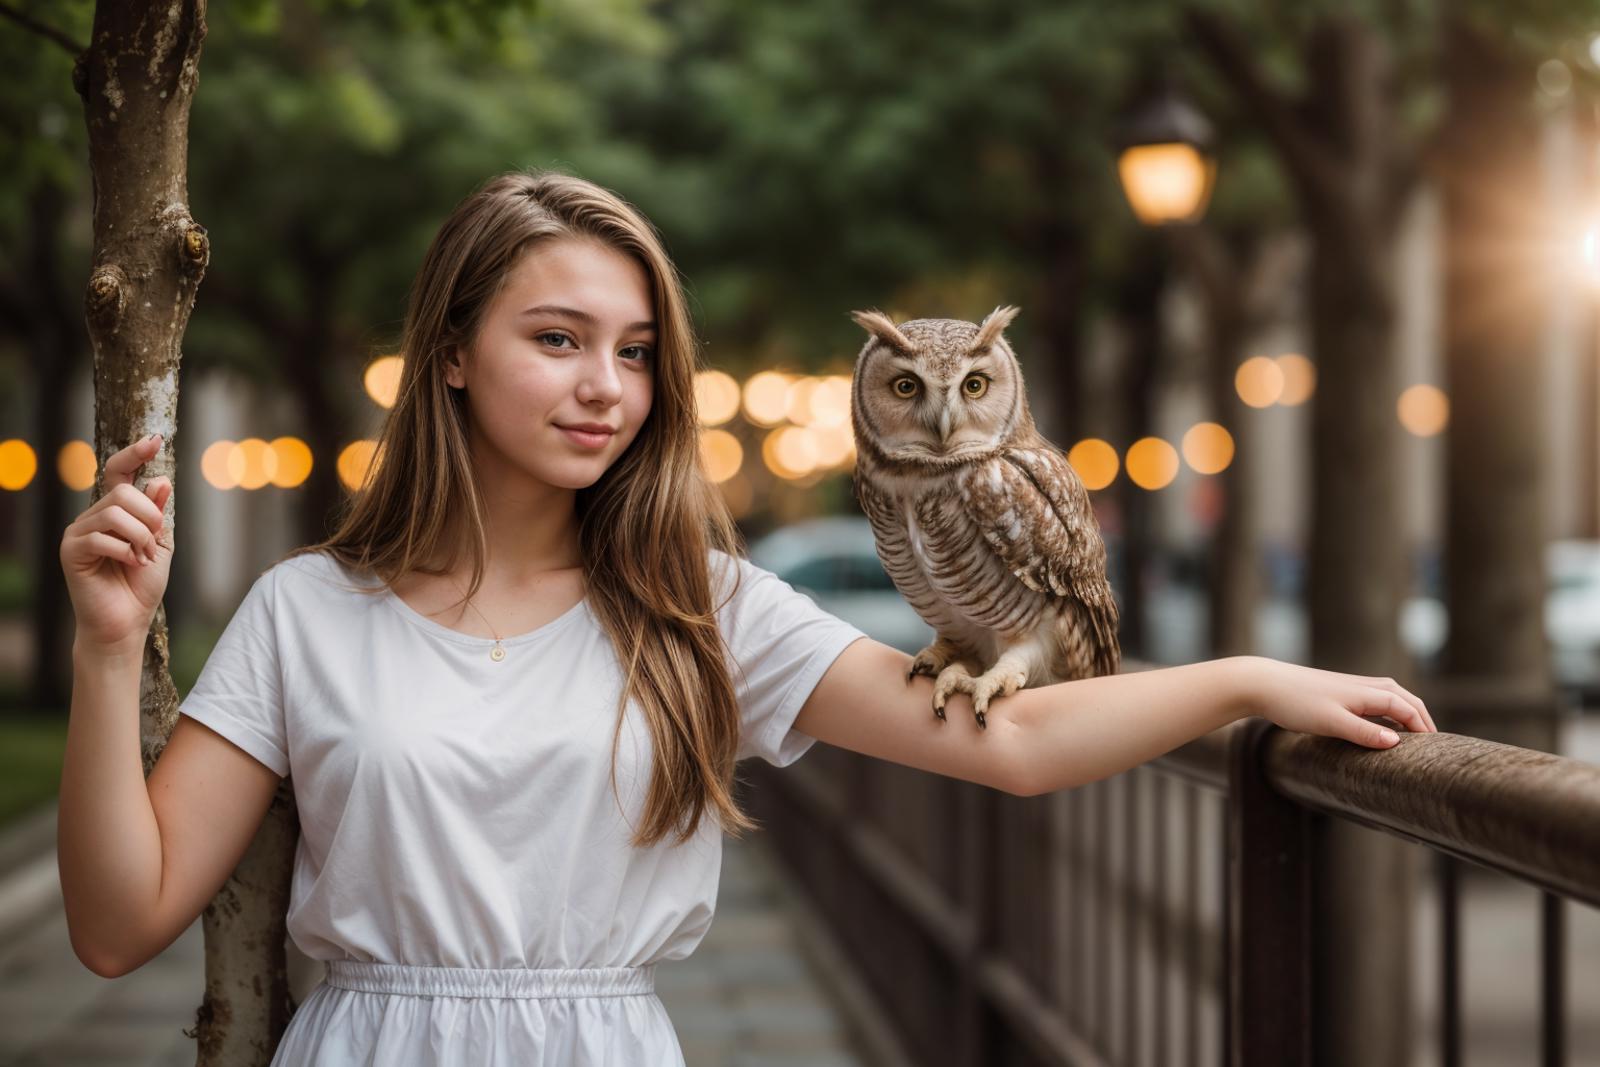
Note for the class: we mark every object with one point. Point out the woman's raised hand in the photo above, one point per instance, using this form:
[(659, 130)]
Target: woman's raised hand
[(117, 554), (1330, 704)]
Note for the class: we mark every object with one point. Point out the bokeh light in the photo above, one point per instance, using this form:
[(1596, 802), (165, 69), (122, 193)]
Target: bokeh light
[(1152, 463), (1554, 77), (830, 401), (1299, 379), (798, 405), (293, 464), (1424, 410), (222, 465), (789, 452), (1208, 448), (260, 463), (1259, 381), (18, 464), (721, 453), (716, 397), (1095, 461), (835, 444), (76, 465), (382, 380), (357, 460), (766, 398)]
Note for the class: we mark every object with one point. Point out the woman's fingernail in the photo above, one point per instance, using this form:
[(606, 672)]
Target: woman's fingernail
[(1390, 736)]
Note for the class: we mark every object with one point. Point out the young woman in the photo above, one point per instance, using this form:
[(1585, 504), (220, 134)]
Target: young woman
[(512, 687)]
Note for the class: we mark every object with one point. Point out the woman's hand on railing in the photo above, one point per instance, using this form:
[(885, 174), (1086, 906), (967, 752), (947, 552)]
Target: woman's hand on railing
[(1331, 704)]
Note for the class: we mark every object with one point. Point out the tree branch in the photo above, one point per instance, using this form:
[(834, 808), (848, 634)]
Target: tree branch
[(1307, 160), (27, 21)]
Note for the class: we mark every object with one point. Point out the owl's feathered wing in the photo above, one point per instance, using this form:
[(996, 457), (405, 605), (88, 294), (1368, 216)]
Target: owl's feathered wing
[(1035, 515)]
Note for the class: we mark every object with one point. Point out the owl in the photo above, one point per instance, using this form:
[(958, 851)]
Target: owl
[(982, 524)]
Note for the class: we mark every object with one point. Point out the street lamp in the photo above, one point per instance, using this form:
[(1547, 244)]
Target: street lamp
[(1165, 162)]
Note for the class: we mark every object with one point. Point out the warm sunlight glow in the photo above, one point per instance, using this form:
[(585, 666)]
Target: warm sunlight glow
[(260, 463), (76, 465), (721, 453), (358, 460), (716, 397), (382, 380), (798, 407), (1299, 379), (1095, 461), (1259, 381), (830, 401), (1424, 410), (18, 464), (835, 445), (222, 464), (789, 452), (766, 398), (1208, 448), (293, 462), (1166, 182), (1152, 463)]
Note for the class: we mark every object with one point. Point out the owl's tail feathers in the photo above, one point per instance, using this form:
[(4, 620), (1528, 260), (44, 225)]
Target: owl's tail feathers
[(1096, 629)]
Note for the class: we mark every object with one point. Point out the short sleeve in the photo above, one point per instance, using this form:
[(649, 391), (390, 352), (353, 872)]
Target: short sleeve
[(239, 693), (781, 643)]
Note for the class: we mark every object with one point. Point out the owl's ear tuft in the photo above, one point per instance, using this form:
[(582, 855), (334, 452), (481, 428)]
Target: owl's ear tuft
[(878, 325), (990, 329)]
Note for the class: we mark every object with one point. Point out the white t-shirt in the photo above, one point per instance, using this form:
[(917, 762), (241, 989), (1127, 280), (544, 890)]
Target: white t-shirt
[(456, 811)]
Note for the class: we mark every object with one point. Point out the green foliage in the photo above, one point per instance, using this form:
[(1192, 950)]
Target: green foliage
[(16, 585), (32, 746)]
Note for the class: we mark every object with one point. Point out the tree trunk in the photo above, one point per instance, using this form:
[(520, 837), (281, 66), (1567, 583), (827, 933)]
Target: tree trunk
[(1348, 159), (1239, 289), (1497, 281), (137, 81)]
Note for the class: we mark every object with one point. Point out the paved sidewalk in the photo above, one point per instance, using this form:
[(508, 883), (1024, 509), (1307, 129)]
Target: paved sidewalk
[(746, 998)]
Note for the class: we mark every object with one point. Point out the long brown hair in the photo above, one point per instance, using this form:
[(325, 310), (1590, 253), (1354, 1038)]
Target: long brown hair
[(647, 526)]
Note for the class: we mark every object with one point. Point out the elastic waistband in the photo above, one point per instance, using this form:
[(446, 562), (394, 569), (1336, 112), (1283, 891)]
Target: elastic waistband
[(420, 981)]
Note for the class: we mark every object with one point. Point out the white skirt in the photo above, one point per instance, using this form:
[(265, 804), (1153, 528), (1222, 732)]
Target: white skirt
[(400, 1015)]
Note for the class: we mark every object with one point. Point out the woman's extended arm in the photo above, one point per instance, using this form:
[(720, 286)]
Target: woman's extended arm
[(1083, 731), (1071, 733)]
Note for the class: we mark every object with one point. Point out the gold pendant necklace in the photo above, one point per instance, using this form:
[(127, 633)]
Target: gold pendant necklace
[(498, 652)]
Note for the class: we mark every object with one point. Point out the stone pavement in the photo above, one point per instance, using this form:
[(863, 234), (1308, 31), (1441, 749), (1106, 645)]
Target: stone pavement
[(748, 997)]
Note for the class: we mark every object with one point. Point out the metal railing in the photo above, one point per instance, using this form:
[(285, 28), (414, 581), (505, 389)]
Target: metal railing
[(1134, 920)]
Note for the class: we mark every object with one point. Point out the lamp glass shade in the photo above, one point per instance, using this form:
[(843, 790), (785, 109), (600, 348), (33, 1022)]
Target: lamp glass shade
[(1166, 183)]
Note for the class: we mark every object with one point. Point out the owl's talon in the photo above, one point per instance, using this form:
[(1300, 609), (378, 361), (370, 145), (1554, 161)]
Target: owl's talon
[(939, 712), (981, 724)]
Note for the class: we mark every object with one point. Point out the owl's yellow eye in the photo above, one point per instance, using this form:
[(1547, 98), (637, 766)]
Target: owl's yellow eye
[(975, 386), (904, 386)]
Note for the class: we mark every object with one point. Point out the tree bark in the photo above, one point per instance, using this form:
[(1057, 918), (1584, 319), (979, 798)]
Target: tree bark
[(137, 81), (1352, 168), (1497, 281), (1240, 286)]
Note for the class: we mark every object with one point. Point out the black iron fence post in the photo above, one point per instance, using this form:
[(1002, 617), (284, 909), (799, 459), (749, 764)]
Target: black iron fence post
[(1268, 915)]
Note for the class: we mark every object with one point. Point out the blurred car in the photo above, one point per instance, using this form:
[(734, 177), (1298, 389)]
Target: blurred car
[(833, 561), (1572, 613), (1178, 613)]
